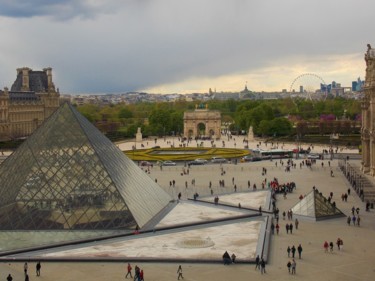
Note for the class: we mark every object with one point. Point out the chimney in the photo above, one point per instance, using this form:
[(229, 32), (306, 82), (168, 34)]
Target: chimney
[(48, 71), (25, 79)]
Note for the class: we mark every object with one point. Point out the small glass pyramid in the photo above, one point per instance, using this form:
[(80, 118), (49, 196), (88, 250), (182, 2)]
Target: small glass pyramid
[(315, 205), (69, 176)]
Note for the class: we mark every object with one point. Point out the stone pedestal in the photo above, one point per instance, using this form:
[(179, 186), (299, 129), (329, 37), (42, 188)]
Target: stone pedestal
[(138, 135), (250, 135)]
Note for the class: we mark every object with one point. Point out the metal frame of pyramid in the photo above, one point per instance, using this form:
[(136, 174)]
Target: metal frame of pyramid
[(314, 205), (68, 175)]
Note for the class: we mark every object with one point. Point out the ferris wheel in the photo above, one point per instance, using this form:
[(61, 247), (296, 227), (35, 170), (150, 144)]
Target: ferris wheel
[(309, 86)]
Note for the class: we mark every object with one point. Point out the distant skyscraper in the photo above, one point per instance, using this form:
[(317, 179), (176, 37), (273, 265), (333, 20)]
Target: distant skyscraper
[(357, 85), (354, 85)]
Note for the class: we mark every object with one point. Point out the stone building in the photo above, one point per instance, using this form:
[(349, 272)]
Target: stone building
[(368, 115), (202, 123), (31, 99)]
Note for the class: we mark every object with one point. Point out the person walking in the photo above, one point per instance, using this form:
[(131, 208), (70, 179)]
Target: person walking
[(25, 267), (27, 277), (179, 272), (331, 247), (325, 246), (288, 265), (129, 268), (257, 262), (277, 228), (38, 267), (288, 251), (262, 266), (9, 278), (348, 220), (299, 249), (136, 272), (294, 265), (291, 228), (293, 251), (338, 243), (141, 276), (296, 223), (287, 228)]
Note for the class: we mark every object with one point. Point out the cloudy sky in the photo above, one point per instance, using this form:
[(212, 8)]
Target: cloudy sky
[(184, 46)]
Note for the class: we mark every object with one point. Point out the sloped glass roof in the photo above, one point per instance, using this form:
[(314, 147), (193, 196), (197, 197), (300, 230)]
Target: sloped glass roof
[(315, 205), (69, 176)]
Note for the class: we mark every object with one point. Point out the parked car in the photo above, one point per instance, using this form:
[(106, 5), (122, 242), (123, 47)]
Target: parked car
[(168, 163), (198, 161), (146, 164), (313, 156), (204, 161), (218, 160)]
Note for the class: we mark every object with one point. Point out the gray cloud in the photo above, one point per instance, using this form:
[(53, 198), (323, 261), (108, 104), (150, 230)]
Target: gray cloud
[(131, 45), (57, 9)]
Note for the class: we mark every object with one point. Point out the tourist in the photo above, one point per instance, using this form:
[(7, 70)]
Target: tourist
[(129, 268), (257, 262), (233, 258), (141, 275), (299, 249), (331, 247), (294, 264), (348, 220), (38, 267), (277, 229), (136, 272), (9, 278), (296, 223), (338, 243), (325, 246), (262, 266), (226, 258), (293, 251), (289, 264), (287, 228), (25, 266), (288, 251), (291, 228), (179, 272)]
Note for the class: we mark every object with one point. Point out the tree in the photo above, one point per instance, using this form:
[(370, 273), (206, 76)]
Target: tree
[(125, 113), (281, 126)]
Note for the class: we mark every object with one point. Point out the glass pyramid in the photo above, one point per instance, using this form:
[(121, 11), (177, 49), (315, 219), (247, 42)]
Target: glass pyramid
[(315, 205), (69, 176)]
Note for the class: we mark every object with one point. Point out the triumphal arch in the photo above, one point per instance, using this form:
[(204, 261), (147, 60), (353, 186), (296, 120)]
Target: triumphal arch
[(202, 123)]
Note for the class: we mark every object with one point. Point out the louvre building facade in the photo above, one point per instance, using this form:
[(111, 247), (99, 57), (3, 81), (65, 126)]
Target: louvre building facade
[(31, 99)]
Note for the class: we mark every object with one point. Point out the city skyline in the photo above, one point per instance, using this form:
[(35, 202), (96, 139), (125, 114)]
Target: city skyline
[(166, 47)]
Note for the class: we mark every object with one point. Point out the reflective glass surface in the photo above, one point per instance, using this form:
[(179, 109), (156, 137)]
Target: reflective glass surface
[(67, 175), (315, 205)]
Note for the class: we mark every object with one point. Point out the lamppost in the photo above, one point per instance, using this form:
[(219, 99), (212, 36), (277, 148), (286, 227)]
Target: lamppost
[(297, 141)]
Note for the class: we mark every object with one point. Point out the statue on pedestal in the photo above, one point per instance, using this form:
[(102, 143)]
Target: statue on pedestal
[(250, 135), (138, 135)]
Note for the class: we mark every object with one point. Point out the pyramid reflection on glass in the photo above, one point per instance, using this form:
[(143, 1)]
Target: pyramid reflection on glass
[(316, 206), (68, 175)]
